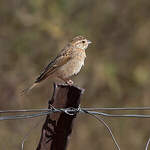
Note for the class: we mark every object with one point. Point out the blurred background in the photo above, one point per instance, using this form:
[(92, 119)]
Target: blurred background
[(32, 32)]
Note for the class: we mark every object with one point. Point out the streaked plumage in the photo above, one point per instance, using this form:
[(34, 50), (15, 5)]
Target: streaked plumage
[(67, 63)]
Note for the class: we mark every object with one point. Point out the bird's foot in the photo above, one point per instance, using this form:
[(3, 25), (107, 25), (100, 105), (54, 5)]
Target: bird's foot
[(69, 82)]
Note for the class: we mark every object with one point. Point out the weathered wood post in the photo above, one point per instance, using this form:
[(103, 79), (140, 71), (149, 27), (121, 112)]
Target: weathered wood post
[(58, 126)]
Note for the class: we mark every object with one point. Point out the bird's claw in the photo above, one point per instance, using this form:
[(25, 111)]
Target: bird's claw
[(69, 82)]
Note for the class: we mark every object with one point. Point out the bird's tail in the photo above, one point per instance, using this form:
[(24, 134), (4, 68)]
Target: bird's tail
[(27, 90)]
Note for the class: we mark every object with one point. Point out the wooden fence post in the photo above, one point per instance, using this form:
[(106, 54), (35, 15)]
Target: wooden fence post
[(58, 126)]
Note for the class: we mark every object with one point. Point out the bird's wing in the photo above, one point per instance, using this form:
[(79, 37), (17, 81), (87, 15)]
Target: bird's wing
[(59, 61)]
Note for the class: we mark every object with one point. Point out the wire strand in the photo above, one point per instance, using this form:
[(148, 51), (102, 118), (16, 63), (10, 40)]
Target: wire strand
[(69, 111), (117, 108), (90, 109), (108, 128), (72, 111), (147, 144)]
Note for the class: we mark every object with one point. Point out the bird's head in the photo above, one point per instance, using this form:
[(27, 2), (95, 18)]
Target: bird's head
[(80, 42)]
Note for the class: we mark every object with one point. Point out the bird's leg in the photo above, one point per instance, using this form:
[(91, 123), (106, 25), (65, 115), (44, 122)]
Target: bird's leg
[(67, 81)]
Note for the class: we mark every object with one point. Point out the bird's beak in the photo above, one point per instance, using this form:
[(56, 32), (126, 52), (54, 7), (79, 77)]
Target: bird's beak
[(89, 42)]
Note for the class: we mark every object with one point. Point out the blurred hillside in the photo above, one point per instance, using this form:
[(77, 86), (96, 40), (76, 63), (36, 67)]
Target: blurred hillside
[(118, 65)]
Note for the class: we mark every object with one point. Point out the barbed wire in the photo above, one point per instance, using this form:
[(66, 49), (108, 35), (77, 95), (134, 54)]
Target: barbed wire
[(94, 112)]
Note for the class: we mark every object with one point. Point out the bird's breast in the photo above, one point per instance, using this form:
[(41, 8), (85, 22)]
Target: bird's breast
[(73, 66)]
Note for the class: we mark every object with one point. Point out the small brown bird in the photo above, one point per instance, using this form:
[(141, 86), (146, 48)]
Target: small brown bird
[(67, 63)]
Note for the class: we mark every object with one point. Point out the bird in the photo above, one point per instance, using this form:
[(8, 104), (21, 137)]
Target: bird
[(66, 64)]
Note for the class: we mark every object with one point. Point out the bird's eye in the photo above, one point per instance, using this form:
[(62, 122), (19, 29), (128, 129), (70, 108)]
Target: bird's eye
[(83, 41)]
